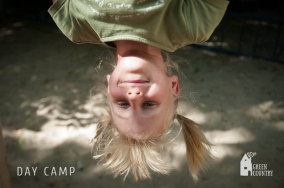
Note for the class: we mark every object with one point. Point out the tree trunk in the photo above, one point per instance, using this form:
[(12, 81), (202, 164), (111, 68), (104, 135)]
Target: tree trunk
[(4, 171)]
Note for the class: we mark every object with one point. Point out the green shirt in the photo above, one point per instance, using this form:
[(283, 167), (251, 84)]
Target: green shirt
[(167, 24)]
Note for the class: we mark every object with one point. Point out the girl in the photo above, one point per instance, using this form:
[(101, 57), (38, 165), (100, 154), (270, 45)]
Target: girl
[(142, 93)]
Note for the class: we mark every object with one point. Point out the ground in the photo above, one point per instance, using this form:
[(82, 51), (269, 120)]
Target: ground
[(49, 115)]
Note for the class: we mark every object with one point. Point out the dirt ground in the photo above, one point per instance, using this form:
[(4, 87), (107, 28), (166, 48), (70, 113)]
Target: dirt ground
[(48, 117)]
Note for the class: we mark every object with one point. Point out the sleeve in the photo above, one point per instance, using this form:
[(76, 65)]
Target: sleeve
[(202, 17), (68, 16)]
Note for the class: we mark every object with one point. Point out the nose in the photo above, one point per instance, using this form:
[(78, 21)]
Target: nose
[(132, 95), (135, 98)]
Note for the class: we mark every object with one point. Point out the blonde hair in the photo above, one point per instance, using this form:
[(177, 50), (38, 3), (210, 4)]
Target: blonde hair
[(123, 155)]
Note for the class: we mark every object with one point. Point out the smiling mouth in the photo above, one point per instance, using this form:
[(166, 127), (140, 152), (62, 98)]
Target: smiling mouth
[(136, 81)]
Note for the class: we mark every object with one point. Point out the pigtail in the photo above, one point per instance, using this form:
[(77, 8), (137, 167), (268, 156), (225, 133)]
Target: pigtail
[(197, 146)]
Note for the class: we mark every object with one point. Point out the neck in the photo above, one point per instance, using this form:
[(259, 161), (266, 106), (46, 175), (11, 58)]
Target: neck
[(126, 48)]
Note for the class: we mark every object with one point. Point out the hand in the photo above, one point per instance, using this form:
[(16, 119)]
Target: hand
[(54, 1)]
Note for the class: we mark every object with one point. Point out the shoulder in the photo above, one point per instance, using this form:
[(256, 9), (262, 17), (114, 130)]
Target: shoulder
[(202, 17)]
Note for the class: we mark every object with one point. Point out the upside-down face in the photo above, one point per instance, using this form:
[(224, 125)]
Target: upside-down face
[(141, 95)]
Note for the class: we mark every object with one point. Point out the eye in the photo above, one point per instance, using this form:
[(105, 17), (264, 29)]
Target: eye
[(149, 105), (123, 104)]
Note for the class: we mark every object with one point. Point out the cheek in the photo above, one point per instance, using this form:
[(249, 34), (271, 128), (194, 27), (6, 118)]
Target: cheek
[(160, 91), (114, 91), (162, 83)]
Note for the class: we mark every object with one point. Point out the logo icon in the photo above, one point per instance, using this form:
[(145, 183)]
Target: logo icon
[(246, 165), (249, 169)]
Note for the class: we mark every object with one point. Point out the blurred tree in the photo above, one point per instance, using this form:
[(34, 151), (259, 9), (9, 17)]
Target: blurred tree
[(4, 172)]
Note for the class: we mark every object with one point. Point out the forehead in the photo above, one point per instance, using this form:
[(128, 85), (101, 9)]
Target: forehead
[(131, 123)]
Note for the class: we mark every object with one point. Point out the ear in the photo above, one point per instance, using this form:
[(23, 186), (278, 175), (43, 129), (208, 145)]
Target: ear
[(108, 78), (175, 86)]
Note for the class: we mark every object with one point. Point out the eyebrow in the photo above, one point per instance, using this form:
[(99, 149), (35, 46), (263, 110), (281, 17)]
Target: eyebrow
[(157, 109)]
